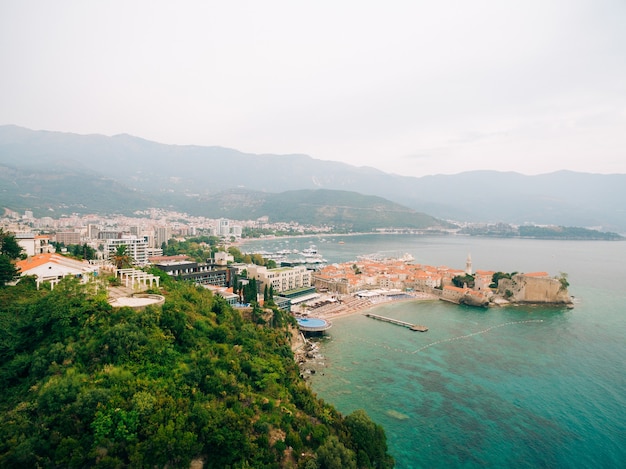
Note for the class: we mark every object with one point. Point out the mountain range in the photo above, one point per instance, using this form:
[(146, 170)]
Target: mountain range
[(45, 170)]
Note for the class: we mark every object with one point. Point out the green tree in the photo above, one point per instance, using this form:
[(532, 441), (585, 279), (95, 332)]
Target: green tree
[(82, 251), (495, 278), (462, 280), (257, 259), (10, 251), (9, 245), (250, 291), (88, 385), (333, 454), (121, 258), (236, 253), (8, 271), (369, 440)]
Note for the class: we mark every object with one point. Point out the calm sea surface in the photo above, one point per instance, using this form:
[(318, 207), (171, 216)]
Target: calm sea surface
[(498, 387)]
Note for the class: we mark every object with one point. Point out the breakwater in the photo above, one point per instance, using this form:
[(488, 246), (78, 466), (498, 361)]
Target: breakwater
[(397, 322)]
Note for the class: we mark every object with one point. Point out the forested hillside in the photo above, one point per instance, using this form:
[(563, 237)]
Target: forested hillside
[(53, 192), (86, 385), (345, 211)]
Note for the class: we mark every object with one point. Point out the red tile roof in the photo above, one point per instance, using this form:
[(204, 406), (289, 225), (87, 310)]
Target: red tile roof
[(42, 259)]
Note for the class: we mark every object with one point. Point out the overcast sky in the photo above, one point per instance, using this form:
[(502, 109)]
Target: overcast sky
[(409, 87)]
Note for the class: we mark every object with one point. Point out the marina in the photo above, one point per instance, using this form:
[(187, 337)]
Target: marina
[(308, 257)]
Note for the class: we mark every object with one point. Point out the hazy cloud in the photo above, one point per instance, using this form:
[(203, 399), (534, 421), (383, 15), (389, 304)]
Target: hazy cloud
[(530, 86)]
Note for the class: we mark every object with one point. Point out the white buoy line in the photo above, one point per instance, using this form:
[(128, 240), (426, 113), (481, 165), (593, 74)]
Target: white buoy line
[(460, 337)]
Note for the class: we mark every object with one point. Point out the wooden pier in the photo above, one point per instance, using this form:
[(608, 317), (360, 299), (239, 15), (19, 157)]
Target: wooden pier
[(397, 322)]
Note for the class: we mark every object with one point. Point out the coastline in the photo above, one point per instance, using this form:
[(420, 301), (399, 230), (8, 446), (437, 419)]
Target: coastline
[(505, 381), (306, 352), (242, 241), (348, 308)]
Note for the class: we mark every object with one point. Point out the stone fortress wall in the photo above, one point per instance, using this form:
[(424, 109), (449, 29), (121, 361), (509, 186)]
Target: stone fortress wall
[(533, 289)]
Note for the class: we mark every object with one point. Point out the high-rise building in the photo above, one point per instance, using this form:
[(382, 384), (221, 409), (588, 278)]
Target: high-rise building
[(161, 235), (224, 227), (136, 248), (92, 231), (68, 237), (109, 235)]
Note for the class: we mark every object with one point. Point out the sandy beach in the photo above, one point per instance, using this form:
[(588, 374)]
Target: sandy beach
[(349, 305), (306, 352)]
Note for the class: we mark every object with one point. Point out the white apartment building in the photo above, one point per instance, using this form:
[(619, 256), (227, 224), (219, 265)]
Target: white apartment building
[(222, 258), (236, 230), (281, 279), (223, 227), (137, 248), (92, 231), (34, 244)]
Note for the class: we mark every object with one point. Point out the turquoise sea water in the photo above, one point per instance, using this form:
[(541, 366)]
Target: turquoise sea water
[(498, 387)]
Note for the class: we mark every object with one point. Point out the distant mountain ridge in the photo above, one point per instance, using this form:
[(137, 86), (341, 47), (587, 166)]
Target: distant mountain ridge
[(346, 210), (158, 172), (55, 191)]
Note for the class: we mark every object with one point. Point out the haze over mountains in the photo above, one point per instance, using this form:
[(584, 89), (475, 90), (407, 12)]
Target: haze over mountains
[(126, 173)]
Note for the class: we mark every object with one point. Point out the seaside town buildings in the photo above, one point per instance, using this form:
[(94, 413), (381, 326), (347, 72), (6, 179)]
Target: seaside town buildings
[(357, 278), (209, 273), (144, 235), (281, 279), (396, 274), (350, 277)]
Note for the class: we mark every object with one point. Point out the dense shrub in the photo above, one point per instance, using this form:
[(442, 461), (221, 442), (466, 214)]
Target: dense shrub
[(88, 385)]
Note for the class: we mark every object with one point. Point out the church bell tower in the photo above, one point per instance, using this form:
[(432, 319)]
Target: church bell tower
[(468, 265)]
